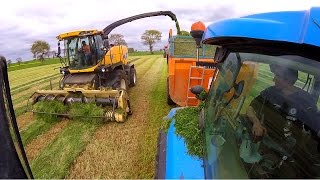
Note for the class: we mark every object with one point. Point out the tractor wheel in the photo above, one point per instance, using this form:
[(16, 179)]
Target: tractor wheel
[(121, 80), (169, 100), (133, 77)]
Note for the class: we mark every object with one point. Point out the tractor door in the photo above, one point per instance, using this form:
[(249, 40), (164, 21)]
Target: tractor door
[(97, 46)]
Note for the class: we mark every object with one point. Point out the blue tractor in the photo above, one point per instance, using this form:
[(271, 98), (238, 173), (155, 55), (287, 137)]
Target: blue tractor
[(260, 117)]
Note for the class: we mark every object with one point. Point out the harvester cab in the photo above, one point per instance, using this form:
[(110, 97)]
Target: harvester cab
[(260, 118), (83, 49), (95, 72)]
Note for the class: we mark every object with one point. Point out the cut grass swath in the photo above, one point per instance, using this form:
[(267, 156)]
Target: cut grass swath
[(34, 129), (156, 113), (28, 85), (55, 160), (22, 76), (44, 121)]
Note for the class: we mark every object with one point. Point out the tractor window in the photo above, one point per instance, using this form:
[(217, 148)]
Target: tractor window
[(304, 81), (262, 121)]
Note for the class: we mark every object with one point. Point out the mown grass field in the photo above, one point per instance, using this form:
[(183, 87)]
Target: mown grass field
[(82, 149)]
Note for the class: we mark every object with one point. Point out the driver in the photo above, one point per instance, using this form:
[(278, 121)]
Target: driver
[(87, 52), (287, 115)]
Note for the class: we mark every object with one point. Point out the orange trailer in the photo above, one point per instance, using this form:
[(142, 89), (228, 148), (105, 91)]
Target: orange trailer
[(184, 71)]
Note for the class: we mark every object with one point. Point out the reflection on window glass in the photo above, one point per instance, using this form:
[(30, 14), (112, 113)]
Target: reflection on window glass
[(264, 122)]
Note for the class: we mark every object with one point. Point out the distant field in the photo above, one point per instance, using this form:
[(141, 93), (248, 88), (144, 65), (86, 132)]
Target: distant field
[(47, 61), (141, 53), (32, 63)]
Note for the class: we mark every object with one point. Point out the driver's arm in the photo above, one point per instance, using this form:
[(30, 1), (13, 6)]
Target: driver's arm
[(257, 127)]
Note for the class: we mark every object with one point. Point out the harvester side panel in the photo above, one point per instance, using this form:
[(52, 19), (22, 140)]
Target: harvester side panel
[(116, 54)]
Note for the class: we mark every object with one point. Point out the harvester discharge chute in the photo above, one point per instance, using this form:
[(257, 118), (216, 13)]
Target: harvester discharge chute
[(93, 72)]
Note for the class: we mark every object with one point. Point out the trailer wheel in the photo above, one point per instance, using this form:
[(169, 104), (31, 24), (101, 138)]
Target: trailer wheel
[(133, 77), (169, 100), (121, 80)]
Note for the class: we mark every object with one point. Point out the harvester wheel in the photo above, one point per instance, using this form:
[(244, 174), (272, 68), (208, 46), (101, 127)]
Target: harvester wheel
[(121, 80), (133, 77), (169, 100)]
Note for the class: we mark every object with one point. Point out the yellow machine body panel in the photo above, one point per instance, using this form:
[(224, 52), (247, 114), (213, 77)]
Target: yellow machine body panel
[(115, 55)]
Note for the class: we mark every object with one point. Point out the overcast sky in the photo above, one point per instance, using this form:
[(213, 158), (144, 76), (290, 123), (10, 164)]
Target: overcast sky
[(24, 21)]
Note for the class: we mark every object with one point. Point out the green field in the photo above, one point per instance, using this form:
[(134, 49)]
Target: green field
[(80, 149), (32, 63)]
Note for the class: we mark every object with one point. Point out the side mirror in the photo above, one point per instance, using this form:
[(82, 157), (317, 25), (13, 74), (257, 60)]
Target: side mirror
[(59, 49), (199, 91), (238, 89)]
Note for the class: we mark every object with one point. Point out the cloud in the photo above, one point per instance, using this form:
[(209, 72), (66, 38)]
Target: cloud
[(23, 22)]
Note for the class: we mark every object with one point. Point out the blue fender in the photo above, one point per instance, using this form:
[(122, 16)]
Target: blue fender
[(180, 165)]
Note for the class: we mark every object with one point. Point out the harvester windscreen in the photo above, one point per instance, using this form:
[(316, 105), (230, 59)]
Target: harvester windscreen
[(81, 52), (262, 118)]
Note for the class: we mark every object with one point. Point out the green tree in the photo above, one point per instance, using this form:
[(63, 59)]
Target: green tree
[(117, 39), (19, 60), (150, 37), (130, 50), (39, 48), (9, 62), (185, 33)]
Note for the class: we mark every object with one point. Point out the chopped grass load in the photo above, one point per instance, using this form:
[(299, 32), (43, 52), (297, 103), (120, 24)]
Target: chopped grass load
[(186, 124), (186, 46)]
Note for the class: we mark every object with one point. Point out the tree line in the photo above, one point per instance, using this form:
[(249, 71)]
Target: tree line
[(41, 49)]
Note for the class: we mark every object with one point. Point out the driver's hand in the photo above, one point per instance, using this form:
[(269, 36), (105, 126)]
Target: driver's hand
[(258, 130)]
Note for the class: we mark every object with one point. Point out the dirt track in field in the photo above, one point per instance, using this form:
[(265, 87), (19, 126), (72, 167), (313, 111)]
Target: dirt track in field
[(113, 151), (24, 119)]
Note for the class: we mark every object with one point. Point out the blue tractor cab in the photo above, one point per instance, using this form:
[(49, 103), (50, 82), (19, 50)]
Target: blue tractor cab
[(260, 117)]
